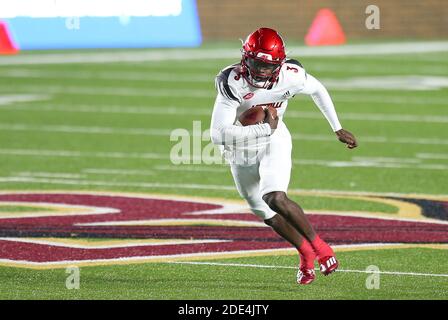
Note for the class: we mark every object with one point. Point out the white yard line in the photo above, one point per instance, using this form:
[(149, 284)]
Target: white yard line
[(86, 154), (182, 111), (118, 171), (388, 159), (338, 96), (85, 129), (222, 168), (120, 109), (385, 82), (374, 139), (116, 184), (192, 186), (443, 156), (167, 132), (368, 164), (398, 163), (395, 163), (351, 84), (420, 57), (62, 175), (358, 98), (8, 99), (366, 193), (121, 76), (388, 82), (177, 221), (371, 117), (370, 64), (114, 91), (74, 210), (126, 244), (219, 53), (242, 265), (18, 176)]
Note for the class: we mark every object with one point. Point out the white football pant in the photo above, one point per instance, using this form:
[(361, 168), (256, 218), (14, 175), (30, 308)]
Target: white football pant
[(270, 172)]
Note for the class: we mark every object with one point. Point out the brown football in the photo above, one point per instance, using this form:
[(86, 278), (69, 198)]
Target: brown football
[(252, 116)]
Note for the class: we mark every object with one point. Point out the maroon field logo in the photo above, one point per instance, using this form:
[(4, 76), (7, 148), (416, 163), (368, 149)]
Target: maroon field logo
[(124, 228)]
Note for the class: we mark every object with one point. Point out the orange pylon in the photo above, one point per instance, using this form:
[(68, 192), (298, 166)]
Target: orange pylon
[(7, 45), (325, 30)]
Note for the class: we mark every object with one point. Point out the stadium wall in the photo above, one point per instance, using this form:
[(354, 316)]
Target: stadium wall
[(410, 19)]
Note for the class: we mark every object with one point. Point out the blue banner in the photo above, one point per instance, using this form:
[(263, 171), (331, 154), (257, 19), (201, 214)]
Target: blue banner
[(140, 27)]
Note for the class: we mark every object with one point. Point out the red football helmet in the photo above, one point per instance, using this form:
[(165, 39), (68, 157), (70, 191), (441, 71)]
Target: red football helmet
[(263, 56)]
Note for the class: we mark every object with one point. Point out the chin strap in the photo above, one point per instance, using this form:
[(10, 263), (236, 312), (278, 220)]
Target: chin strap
[(245, 73)]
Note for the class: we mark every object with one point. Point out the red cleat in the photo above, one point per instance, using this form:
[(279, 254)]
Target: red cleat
[(305, 276), (328, 265)]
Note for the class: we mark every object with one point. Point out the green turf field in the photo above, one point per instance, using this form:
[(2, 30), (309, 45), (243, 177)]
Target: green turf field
[(106, 127), (232, 280)]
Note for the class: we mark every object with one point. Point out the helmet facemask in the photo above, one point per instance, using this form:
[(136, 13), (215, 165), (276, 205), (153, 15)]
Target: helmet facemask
[(260, 71)]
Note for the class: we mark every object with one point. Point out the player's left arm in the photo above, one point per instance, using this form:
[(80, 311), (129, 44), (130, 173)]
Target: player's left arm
[(322, 99)]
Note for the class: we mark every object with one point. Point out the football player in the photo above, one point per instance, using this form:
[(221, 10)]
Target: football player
[(266, 77)]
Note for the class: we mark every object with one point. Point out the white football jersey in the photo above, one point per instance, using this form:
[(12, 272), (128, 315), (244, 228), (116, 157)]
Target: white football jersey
[(290, 81), (236, 95)]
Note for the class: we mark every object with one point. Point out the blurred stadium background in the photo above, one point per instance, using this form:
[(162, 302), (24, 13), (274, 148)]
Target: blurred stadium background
[(229, 20), (91, 92)]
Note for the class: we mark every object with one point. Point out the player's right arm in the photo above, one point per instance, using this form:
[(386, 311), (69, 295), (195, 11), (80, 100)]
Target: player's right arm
[(223, 130)]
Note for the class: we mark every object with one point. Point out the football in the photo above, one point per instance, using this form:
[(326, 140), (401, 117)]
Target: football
[(254, 115)]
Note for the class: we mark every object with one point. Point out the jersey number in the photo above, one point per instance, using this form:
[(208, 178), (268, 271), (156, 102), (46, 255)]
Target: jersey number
[(291, 68)]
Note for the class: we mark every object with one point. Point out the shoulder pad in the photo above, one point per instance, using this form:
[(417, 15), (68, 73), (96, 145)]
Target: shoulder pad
[(294, 61), (222, 83), (297, 63)]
